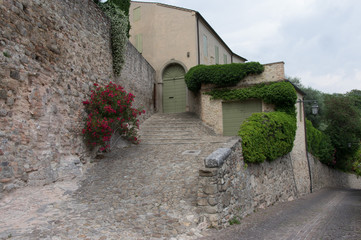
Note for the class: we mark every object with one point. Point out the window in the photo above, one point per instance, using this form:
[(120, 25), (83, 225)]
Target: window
[(136, 14), (225, 58), (139, 42), (205, 46), (217, 54)]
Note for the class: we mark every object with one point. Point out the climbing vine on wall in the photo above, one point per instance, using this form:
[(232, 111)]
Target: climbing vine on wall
[(220, 75), (281, 94), (119, 32)]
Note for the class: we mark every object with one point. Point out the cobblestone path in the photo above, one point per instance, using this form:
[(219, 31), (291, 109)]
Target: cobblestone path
[(146, 191), (330, 214)]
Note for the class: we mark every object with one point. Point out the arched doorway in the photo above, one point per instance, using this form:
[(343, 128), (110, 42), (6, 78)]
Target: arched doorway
[(174, 89)]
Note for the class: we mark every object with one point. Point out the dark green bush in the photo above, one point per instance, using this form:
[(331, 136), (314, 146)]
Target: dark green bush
[(319, 144), (220, 75), (281, 94), (267, 136)]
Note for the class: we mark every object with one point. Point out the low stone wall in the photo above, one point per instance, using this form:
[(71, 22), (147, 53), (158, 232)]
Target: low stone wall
[(228, 188), (324, 176)]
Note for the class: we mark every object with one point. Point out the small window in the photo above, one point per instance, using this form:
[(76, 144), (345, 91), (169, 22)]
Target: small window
[(136, 14), (205, 46), (217, 54), (139, 42), (225, 58)]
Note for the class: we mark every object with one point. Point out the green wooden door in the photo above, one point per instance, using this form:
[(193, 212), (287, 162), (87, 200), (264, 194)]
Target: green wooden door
[(234, 113), (174, 89)]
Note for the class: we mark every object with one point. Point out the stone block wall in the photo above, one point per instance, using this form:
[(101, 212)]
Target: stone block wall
[(231, 188), (51, 53), (324, 176), (138, 77)]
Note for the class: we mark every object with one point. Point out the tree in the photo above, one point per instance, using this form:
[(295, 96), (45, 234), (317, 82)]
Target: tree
[(344, 128)]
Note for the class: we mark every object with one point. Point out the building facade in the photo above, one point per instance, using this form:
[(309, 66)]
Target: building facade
[(173, 40)]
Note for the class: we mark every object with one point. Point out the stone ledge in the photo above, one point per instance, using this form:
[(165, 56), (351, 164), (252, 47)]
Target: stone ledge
[(217, 158)]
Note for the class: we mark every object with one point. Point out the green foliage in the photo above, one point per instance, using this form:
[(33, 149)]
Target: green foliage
[(234, 220), (319, 144), (281, 94), (267, 136), (119, 34), (220, 75), (6, 54), (344, 128)]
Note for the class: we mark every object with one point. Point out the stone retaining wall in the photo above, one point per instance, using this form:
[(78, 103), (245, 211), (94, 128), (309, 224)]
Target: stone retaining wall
[(51, 52), (324, 176), (229, 188)]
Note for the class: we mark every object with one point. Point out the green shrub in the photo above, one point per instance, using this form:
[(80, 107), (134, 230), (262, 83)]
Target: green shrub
[(267, 136), (319, 144), (281, 94), (220, 75)]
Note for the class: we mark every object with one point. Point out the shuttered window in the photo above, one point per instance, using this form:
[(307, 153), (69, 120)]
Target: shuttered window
[(136, 14), (217, 54), (139, 42), (205, 46)]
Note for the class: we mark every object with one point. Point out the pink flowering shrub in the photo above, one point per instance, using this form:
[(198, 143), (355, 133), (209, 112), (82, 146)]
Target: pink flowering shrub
[(110, 111)]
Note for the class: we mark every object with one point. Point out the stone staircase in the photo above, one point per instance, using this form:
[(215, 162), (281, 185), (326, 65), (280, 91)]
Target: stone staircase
[(179, 128)]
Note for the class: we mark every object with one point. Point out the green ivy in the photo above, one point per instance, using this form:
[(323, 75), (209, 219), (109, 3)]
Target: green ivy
[(319, 144), (267, 136), (220, 75), (282, 94), (119, 34)]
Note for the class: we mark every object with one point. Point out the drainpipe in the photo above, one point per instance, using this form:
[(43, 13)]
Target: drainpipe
[(308, 159), (199, 51)]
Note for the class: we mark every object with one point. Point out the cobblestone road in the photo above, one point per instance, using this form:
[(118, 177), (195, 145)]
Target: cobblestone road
[(327, 214), (146, 191)]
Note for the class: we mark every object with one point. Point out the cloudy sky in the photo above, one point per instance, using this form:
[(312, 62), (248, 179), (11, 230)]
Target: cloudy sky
[(319, 40)]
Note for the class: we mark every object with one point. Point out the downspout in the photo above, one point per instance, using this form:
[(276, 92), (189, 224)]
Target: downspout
[(198, 45), (308, 159)]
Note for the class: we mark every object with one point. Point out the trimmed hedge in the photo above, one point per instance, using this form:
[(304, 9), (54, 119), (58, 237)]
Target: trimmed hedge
[(282, 94), (220, 75), (267, 136), (319, 144)]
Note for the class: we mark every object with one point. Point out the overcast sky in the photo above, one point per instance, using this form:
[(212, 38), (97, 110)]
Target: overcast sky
[(319, 40)]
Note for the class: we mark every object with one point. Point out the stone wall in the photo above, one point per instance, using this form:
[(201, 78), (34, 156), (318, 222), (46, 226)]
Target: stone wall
[(324, 176), (51, 52), (229, 188), (138, 76)]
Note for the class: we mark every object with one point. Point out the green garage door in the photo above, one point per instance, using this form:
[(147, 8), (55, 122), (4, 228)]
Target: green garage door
[(234, 113), (174, 89)]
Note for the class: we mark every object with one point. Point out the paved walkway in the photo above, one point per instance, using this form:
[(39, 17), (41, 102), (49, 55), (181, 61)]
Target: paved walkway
[(146, 191), (330, 214)]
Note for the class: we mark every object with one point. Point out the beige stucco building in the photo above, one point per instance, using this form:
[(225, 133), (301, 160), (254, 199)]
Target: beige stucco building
[(173, 40)]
